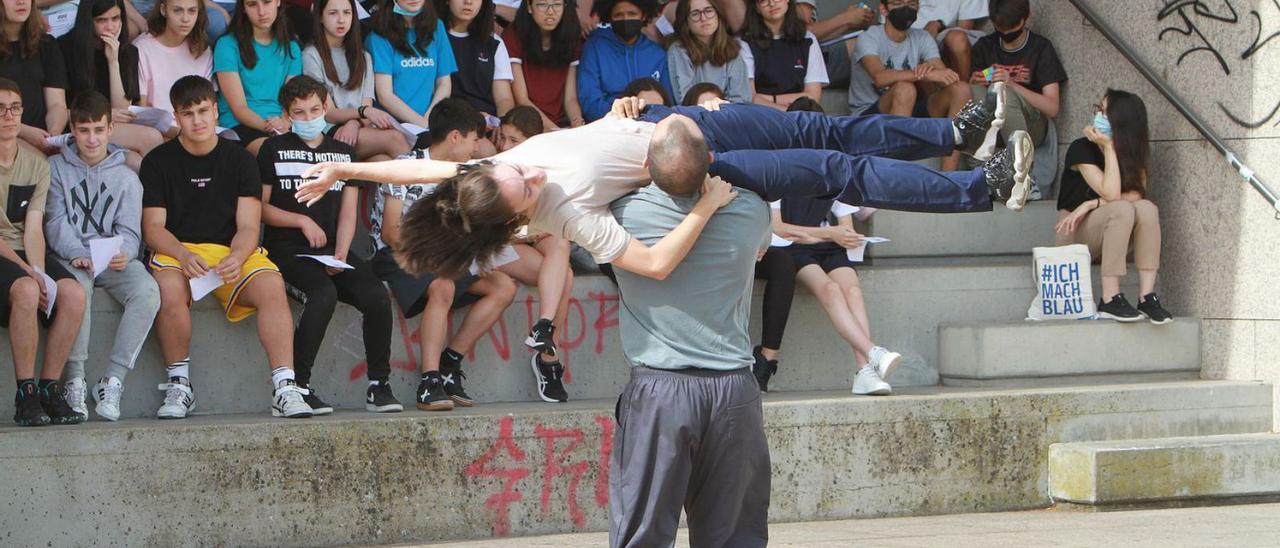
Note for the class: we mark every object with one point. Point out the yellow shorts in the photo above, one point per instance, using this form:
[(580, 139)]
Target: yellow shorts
[(227, 294)]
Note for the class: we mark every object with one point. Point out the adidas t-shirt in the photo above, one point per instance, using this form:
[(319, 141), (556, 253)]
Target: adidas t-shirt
[(413, 78), (281, 162)]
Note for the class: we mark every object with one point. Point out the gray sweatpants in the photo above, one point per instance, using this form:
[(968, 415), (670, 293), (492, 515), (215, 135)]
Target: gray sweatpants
[(132, 287), (691, 439)]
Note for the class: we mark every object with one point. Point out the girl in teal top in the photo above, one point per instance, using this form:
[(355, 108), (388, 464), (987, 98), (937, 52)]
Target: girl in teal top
[(412, 59), (252, 62)]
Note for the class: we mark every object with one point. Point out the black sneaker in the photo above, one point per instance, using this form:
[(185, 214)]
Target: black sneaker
[(1008, 173), (318, 406), (539, 339), (56, 406), (549, 377), (979, 124), (763, 369), (27, 408), (379, 399), (1119, 309), (1150, 307), (431, 396), (452, 375)]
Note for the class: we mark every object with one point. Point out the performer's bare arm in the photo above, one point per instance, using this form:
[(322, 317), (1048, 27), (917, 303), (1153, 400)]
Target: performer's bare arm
[(392, 172)]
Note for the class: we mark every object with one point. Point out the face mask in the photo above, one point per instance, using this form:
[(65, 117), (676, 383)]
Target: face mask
[(1102, 124), (401, 11), (310, 129), (627, 29), (902, 18), (1011, 36)]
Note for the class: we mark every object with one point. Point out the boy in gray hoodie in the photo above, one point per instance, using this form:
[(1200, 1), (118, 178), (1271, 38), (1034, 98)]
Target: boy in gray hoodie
[(94, 195)]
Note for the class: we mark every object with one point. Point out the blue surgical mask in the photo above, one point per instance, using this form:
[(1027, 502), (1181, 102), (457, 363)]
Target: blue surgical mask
[(310, 129), (401, 11), (1102, 124)]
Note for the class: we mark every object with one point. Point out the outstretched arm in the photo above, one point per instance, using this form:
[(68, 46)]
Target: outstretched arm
[(391, 172)]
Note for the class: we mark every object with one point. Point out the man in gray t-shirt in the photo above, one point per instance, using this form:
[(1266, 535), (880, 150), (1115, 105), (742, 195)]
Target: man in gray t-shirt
[(690, 423)]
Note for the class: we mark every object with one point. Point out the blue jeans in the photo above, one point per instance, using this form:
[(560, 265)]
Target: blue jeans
[(858, 160)]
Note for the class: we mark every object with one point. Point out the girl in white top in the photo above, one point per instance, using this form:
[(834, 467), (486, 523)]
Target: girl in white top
[(339, 60), (175, 45)]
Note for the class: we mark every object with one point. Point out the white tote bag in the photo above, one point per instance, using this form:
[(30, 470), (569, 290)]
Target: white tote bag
[(1064, 287)]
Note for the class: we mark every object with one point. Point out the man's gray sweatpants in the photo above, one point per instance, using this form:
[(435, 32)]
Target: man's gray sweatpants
[(136, 290), (692, 439)]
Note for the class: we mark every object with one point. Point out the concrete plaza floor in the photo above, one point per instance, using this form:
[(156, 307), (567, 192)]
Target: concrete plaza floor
[(1243, 525)]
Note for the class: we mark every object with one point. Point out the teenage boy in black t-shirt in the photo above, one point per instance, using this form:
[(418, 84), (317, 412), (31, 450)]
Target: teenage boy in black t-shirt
[(200, 213), (1028, 65), (324, 228)]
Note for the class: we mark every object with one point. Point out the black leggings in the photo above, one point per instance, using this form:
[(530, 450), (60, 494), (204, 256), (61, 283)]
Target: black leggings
[(779, 270), (320, 293)]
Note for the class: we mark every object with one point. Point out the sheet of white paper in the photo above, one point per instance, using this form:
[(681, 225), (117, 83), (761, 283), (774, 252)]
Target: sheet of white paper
[(859, 253), (205, 285), (61, 23), (779, 241), (226, 133), (330, 261), (361, 13), (58, 141), (410, 132), (157, 118), (506, 256), (50, 287), (102, 250)]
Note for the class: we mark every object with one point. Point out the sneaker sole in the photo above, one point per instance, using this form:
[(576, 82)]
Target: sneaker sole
[(322, 411), (894, 361), (279, 414), (988, 147), (877, 392), (1160, 322), (441, 406), (537, 378), (66, 421), (170, 417), (389, 408), (1024, 153), (1121, 319), (462, 401), (111, 418), (45, 422)]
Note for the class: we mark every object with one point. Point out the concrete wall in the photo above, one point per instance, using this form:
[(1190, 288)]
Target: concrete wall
[(1221, 245)]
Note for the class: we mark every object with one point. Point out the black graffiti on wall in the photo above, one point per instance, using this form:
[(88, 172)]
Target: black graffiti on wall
[(1188, 19)]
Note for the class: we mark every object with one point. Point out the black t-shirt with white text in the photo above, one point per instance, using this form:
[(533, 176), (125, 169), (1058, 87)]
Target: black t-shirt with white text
[(281, 162), (1075, 190), (1034, 66), (200, 193)]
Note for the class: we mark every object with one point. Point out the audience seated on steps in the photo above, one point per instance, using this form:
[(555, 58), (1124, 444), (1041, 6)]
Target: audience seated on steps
[(953, 23), (1103, 204), (252, 62)]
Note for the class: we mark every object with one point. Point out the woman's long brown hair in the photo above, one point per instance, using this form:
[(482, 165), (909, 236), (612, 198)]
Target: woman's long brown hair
[(29, 35), (462, 221), (723, 47), (1131, 135)]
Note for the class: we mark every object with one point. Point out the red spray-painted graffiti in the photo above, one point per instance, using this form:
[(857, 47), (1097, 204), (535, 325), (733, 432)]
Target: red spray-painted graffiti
[(593, 320), (558, 445)]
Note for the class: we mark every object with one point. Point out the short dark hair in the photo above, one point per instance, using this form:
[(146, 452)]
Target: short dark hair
[(603, 8), (11, 86), (524, 118), (647, 84), (90, 107), (678, 158), (805, 104), (189, 90), (1007, 13), (301, 87), (450, 114), (691, 96)]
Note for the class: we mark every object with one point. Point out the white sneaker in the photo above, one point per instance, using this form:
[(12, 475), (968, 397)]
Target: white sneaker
[(869, 383), (885, 361), (288, 403), (107, 393), (179, 399), (73, 391)]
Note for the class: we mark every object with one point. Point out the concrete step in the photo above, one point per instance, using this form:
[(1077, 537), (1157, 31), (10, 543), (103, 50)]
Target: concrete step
[(1001, 232), (1165, 469), (906, 301), (534, 468), (1026, 353)]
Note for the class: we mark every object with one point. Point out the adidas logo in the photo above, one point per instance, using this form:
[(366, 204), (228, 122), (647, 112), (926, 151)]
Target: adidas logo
[(416, 62)]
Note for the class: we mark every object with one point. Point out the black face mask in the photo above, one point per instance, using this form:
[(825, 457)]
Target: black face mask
[(1011, 36), (902, 18), (627, 29)]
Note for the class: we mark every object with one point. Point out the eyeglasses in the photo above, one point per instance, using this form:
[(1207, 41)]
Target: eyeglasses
[(763, 3), (548, 7), (702, 14), (14, 109)]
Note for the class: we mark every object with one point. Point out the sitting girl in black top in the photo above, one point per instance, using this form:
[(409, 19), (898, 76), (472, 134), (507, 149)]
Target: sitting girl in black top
[(30, 57), (1106, 171), (100, 58)]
